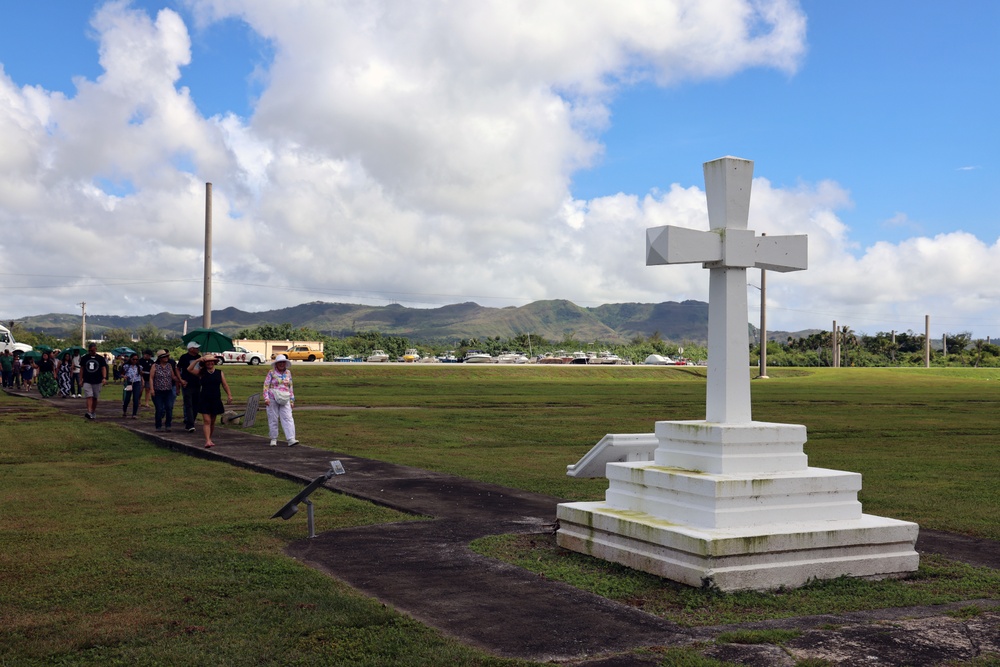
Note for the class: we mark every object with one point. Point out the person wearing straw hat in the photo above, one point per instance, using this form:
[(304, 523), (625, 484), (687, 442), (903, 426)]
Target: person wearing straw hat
[(210, 406), (164, 379), (279, 399)]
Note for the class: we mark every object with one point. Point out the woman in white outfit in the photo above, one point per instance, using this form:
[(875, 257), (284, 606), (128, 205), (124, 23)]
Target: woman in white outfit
[(279, 398)]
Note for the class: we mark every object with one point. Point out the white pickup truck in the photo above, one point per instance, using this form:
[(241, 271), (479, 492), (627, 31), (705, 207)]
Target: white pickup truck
[(241, 355), (7, 342)]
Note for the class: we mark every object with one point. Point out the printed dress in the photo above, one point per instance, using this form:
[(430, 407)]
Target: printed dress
[(65, 374)]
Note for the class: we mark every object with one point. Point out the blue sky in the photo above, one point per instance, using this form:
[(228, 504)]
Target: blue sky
[(894, 100), (49, 43), (874, 128)]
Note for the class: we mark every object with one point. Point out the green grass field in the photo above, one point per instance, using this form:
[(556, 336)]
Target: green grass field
[(927, 442), (119, 552)]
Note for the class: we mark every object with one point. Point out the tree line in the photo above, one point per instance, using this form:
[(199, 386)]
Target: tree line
[(859, 350), (885, 348), (363, 343)]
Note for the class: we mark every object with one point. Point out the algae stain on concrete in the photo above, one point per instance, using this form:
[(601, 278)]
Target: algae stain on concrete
[(638, 518), (755, 543), (676, 470), (694, 428)]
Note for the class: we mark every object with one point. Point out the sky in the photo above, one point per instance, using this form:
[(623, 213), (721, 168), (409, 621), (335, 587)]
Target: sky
[(427, 153)]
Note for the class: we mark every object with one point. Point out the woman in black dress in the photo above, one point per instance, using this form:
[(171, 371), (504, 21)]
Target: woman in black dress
[(210, 400)]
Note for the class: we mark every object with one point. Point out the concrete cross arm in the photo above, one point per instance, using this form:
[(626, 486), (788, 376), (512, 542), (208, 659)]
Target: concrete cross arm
[(720, 248), (782, 253), (680, 245)]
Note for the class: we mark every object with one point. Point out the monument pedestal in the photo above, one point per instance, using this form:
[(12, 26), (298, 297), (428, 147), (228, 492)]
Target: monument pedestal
[(735, 506)]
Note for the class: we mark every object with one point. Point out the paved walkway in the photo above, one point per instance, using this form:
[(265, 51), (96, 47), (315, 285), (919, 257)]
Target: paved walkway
[(426, 570)]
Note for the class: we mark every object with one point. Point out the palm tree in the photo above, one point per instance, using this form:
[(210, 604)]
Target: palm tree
[(848, 338), (979, 352)]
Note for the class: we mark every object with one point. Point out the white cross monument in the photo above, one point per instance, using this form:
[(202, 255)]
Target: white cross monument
[(729, 502)]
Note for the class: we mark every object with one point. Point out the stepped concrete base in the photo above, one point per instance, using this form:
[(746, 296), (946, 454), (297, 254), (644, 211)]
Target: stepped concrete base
[(736, 506), (758, 557), (703, 500)]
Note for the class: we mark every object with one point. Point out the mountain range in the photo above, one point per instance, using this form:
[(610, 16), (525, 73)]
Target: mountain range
[(555, 320)]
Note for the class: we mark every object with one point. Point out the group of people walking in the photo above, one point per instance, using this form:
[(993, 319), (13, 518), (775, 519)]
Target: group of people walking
[(158, 378), (22, 373)]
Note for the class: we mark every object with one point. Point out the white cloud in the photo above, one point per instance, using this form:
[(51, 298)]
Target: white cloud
[(415, 151)]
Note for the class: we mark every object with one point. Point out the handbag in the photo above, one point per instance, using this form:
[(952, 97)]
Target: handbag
[(281, 395)]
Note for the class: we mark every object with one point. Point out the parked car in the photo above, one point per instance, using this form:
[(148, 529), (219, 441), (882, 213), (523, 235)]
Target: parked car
[(241, 355), (303, 353)]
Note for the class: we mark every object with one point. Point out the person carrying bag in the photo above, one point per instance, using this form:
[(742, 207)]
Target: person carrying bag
[(279, 398)]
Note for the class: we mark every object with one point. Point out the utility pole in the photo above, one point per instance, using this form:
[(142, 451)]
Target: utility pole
[(927, 341), (944, 346), (206, 316), (763, 322), (83, 326)]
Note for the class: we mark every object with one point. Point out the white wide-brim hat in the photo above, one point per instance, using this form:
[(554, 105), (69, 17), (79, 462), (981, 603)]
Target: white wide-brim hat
[(278, 359)]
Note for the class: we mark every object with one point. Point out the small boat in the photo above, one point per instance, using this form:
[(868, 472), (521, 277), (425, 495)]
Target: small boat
[(580, 358), (428, 360), (378, 356), (511, 358), (477, 357), (448, 358), (411, 355), (606, 357), (557, 357), (659, 360)]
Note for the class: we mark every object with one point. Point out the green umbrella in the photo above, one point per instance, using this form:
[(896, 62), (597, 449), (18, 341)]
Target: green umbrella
[(124, 351), (72, 352), (42, 348), (210, 340), (34, 355)]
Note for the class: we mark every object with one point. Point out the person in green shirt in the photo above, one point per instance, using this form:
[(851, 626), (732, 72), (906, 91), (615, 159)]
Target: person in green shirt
[(7, 368)]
